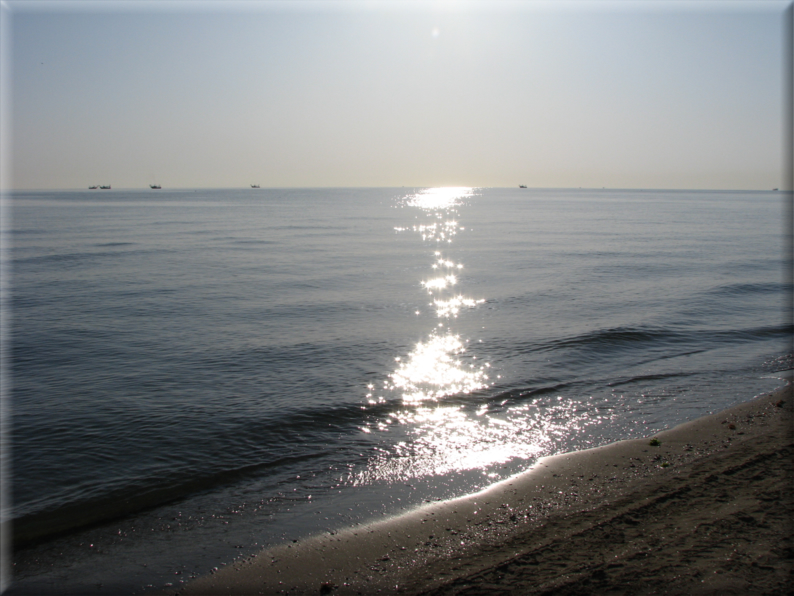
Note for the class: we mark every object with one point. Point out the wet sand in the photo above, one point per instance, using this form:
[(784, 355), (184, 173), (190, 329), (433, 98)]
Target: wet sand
[(707, 510)]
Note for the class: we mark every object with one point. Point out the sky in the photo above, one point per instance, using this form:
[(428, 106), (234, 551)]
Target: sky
[(632, 94)]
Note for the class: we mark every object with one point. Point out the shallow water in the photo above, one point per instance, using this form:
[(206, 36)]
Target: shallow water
[(207, 372)]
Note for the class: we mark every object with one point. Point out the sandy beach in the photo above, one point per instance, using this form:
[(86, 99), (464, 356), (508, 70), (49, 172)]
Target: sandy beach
[(703, 508)]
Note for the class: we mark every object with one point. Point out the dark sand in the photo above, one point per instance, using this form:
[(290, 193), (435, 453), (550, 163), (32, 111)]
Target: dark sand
[(708, 511)]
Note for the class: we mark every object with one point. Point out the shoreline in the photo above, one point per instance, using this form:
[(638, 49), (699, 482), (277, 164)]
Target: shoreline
[(714, 496)]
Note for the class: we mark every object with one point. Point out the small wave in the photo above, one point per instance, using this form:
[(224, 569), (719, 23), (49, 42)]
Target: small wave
[(21, 232), (81, 257), (55, 259), (304, 435), (132, 499), (271, 443), (751, 334), (750, 288), (617, 338), (780, 363), (323, 227), (527, 392), (645, 378)]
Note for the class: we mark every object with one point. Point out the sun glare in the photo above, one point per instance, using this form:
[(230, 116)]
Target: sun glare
[(444, 197), (434, 370)]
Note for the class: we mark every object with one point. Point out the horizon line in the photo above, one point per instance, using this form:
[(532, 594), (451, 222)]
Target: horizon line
[(519, 187)]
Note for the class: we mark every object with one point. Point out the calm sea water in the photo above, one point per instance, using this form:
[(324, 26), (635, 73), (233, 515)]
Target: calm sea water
[(199, 373)]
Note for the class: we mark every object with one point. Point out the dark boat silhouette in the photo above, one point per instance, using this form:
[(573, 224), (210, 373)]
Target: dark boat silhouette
[(93, 187), (155, 186), (105, 187), (254, 186)]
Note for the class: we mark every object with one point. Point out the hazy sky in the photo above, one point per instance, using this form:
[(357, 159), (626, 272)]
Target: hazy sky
[(630, 94)]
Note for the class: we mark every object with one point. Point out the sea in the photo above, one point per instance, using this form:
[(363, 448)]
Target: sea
[(193, 375)]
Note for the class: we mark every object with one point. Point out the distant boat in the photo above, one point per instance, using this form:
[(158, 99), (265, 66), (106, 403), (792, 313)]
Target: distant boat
[(254, 186), (774, 189), (105, 187), (155, 186), (93, 187), (521, 186)]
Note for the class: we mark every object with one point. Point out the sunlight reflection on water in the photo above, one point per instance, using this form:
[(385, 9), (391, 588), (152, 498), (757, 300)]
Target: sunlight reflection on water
[(439, 198), (435, 368), (444, 439), (440, 436)]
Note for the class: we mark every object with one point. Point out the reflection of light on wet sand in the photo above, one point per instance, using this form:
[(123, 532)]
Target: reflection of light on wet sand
[(433, 370), (447, 439)]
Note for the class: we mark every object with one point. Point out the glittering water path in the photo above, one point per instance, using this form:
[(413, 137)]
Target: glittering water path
[(218, 370)]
